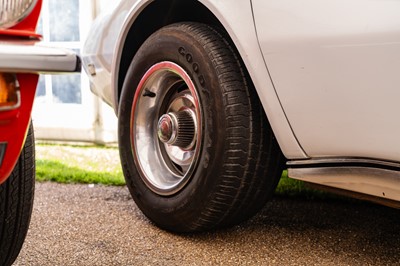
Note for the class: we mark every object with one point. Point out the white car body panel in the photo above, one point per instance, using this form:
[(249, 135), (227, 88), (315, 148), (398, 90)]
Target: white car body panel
[(98, 52), (335, 66)]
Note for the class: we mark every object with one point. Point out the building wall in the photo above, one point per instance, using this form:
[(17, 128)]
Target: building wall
[(64, 107)]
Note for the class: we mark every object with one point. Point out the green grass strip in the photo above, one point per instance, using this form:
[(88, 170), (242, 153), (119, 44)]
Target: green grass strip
[(49, 170), (292, 188), (101, 165), (55, 171)]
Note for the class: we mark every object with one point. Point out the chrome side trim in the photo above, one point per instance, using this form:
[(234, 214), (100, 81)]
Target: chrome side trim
[(34, 58), (369, 180), (342, 161)]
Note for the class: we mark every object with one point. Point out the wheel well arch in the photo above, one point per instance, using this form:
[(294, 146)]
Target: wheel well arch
[(155, 16), (158, 14)]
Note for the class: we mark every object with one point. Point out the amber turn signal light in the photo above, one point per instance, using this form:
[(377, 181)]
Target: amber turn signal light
[(10, 97)]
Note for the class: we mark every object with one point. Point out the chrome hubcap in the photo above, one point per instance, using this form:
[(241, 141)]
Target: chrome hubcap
[(166, 128), (177, 129)]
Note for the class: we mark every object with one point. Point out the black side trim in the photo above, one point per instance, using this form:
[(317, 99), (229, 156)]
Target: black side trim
[(78, 67), (3, 147)]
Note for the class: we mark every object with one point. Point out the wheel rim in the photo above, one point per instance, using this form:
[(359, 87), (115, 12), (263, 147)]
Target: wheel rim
[(166, 128)]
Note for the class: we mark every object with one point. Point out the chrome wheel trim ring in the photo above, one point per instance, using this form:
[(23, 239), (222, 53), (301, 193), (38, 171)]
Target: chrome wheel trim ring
[(165, 164)]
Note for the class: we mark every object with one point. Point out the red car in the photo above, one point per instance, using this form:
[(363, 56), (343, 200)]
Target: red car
[(22, 58)]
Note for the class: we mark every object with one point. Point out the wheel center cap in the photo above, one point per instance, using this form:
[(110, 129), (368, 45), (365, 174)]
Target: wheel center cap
[(166, 129), (177, 128)]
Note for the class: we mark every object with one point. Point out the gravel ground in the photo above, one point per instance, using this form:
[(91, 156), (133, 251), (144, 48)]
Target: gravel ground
[(99, 225)]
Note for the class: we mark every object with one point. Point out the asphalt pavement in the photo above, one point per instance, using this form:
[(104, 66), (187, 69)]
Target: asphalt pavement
[(100, 225)]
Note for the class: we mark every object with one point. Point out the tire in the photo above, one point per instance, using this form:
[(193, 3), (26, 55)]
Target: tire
[(196, 149), (16, 201)]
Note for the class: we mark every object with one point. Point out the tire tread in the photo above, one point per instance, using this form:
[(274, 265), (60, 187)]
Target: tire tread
[(16, 201), (237, 199)]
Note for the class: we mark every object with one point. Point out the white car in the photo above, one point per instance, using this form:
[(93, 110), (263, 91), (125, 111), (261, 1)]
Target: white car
[(215, 98)]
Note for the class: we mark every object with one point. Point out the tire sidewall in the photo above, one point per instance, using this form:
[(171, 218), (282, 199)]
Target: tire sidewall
[(177, 210)]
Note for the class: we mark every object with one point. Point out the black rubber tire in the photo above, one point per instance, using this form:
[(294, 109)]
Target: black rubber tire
[(240, 162), (16, 201)]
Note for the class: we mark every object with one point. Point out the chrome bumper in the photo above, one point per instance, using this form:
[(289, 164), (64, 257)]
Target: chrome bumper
[(36, 58)]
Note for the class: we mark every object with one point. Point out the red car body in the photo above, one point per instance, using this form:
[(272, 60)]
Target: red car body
[(22, 59), (14, 123)]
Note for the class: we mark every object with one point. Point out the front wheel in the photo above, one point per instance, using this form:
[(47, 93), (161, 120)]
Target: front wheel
[(196, 149), (16, 201)]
